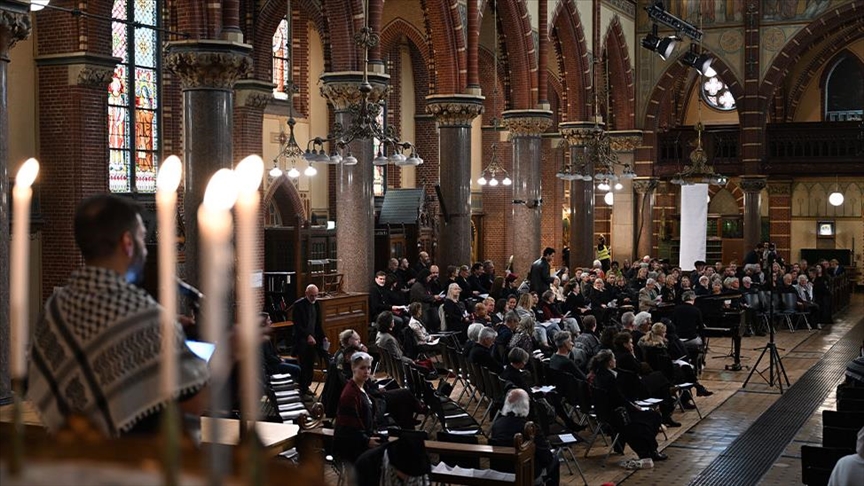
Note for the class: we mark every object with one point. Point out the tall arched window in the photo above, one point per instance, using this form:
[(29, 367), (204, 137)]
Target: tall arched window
[(844, 90), (134, 98), (280, 60)]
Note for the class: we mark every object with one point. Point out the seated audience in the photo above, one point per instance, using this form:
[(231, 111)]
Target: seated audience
[(356, 415), (511, 421), (481, 353), (561, 359)]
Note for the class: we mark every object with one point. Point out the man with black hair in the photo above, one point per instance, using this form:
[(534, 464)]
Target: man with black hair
[(96, 349), (540, 275)]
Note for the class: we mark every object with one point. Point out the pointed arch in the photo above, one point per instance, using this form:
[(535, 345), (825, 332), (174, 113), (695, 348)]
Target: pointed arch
[(620, 74), (571, 50), (285, 196), (828, 28), (444, 29), (397, 29), (342, 20), (827, 57), (519, 51), (269, 16)]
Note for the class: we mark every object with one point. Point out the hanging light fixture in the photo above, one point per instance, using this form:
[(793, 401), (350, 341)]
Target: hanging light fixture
[(836, 198), (700, 172), (289, 151), (494, 169), (364, 123)]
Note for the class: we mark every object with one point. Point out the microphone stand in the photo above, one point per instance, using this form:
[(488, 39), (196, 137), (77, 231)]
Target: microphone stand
[(774, 362)]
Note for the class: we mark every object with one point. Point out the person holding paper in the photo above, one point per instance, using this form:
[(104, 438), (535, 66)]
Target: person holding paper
[(96, 348)]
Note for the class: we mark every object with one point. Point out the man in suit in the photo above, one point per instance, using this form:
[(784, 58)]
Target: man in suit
[(308, 335), (481, 353), (540, 275), (688, 321)]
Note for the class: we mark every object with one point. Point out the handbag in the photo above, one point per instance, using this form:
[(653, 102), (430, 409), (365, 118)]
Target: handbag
[(622, 416)]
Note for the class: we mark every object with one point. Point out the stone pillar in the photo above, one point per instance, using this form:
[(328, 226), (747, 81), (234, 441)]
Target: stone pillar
[(525, 127), (208, 70), (623, 232), (582, 252), (752, 186), (645, 187), (14, 26), (355, 200), (453, 114)]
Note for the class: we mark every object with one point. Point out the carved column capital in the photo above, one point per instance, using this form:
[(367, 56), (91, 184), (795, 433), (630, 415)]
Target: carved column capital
[(454, 110), (577, 133), (644, 185), (210, 64), (753, 183), (624, 140), (84, 68), (253, 93), (15, 25), (342, 89), (93, 76), (780, 188), (527, 123)]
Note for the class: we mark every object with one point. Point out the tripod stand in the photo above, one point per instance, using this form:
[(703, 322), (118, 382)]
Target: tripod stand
[(773, 356)]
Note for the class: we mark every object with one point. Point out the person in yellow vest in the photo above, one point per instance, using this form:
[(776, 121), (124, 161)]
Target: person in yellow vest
[(603, 254)]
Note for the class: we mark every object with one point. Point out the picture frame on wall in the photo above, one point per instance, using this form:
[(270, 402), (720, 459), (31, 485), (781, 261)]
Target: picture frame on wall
[(825, 229)]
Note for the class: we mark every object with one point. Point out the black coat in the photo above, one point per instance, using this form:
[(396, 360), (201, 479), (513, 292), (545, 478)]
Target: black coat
[(505, 427), (303, 325), (539, 276), (483, 357), (688, 321)]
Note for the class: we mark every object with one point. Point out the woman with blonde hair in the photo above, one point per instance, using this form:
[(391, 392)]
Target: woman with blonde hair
[(455, 315), (655, 352)]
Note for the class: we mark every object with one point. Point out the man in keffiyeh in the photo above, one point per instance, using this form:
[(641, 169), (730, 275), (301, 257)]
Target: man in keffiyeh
[(96, 349)]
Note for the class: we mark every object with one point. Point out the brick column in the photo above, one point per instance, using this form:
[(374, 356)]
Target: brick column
[(250, 99), (577, 135), (751, 116), (454, 114), (208, 70), (355, 203), (645, 188), (752, 187), (525, 127), (780, 208), (14, 26)]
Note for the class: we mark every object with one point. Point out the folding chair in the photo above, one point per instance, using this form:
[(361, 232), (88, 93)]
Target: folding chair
[(601, 407)]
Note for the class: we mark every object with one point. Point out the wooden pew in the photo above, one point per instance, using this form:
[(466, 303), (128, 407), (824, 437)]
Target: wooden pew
[(521, 454)]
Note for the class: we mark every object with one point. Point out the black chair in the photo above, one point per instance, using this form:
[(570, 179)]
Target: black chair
[(459, 460), (818, 462), (454, 419), (843, 420), (604, 424), (839, 437)]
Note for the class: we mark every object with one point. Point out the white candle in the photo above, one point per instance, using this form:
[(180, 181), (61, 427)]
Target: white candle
[(215, 229), (20, 257), (166, 207), (249, 172)]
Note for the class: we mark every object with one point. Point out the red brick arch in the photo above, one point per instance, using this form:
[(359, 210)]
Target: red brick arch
[(571, 51), (392, 35), (268, 19), (286, 198), (444, 28), (826, 57), (824, 29), (620, 74), (519, 52), (342, 19)]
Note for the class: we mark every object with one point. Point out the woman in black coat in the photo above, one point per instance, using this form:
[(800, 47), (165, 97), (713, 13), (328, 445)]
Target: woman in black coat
[(638, 428)]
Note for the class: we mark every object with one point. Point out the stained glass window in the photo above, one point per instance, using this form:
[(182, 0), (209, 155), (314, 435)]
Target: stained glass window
[(280, 60), (133, 98), (717, 94)]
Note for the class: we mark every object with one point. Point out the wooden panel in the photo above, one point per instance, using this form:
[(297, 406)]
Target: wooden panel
[(346, 311)]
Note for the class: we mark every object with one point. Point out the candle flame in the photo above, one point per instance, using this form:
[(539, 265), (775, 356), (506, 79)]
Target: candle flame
[(27, 173), (250, 172), (221, 193), (169, 174)]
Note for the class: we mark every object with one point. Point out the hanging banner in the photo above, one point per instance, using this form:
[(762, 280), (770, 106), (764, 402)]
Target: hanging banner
[(694, 224)]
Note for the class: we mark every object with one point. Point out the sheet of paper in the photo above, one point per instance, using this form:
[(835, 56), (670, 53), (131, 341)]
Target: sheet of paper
[(567, 437)]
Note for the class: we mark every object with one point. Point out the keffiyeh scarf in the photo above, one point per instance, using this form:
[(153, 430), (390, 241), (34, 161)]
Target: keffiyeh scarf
[(96, 351)]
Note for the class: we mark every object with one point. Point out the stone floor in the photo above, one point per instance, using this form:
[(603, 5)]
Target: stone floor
[(727, 414)]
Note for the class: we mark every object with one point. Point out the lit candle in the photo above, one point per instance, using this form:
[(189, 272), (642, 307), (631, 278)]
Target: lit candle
[(215, 228), (20, 258), (166, 206), (249, 172)]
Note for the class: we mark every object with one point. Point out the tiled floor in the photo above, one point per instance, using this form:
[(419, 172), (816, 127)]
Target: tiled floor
[(727, 414)]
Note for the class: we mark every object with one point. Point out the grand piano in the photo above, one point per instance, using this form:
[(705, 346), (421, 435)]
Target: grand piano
[(723, 315)]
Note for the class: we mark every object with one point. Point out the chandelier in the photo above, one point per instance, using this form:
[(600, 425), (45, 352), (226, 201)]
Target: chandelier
[(364, 122), (494, 168), (289, 151)]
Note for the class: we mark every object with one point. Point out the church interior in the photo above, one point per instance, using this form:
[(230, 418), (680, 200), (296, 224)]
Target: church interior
[(466, 131)]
